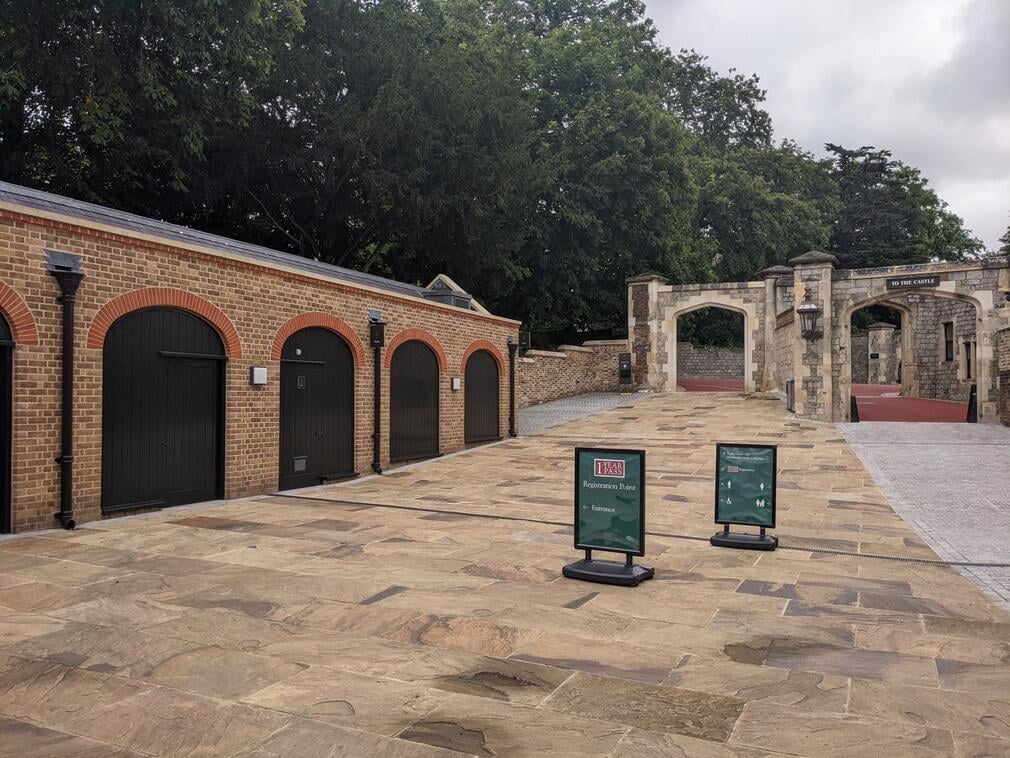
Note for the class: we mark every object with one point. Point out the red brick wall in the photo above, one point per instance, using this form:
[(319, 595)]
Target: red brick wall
[(256, 300)]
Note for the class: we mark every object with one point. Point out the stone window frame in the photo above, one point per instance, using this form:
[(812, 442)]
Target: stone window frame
[(948, 345), (967, 359)]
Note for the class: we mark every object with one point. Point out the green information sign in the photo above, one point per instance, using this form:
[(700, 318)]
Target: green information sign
[(745, 484), (610, 500)]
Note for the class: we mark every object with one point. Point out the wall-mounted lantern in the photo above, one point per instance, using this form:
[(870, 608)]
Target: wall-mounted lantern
[(376, 329), (809, 313)]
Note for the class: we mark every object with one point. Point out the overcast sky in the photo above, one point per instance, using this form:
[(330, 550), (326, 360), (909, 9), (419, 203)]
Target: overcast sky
[(927, 79)]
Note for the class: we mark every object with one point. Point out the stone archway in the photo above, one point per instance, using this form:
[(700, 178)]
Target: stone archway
[(911, 378), (750, 367), (655, 306)]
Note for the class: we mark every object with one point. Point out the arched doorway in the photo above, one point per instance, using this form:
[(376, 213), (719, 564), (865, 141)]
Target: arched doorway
[(162, 411), (413, 402), (912, 357), (481, 400), (6, 382), (317, 409), (711, 353)]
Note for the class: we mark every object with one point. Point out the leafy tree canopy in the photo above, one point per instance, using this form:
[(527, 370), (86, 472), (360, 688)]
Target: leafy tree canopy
[(537, 151)]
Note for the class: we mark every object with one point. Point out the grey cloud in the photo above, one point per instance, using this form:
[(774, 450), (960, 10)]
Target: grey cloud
[(927, 79)]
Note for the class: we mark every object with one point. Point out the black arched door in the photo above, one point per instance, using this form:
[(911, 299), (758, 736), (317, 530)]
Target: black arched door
[(413, 402), (317, 409), (480, 389), (162, 411), (6, 381)]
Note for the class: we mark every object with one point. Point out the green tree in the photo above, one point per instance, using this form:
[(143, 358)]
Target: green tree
[(127, 103), (1004, 248), (723, 111), (395, 138), (889, 216), (621, 196)]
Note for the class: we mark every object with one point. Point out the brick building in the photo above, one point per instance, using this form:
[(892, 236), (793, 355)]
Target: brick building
[(203, 367)]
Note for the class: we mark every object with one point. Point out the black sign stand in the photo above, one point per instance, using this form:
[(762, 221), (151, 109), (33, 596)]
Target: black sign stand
[(762, 541), (589, 569), (627, 574), (744, 540)]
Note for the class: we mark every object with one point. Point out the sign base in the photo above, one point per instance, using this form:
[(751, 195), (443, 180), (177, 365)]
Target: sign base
[(608, 572), (745, 541)]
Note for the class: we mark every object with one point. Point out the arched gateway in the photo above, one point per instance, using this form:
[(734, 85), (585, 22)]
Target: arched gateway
[(950, 316)]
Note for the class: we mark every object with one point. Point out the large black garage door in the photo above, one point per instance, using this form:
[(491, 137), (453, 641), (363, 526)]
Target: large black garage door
[(413, 402), (6, 348), (317, 408), (162, 411), (480, 389)]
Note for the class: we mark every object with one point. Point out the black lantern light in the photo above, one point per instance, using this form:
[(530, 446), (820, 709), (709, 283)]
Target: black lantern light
[(809, 313)]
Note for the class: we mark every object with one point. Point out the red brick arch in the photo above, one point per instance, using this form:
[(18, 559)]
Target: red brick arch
[(427, 338), (18, 315), (476, 345), (324, 320), (153, 297)]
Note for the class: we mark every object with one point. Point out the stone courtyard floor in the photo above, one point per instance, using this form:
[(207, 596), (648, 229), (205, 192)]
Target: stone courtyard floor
[(423, 614)]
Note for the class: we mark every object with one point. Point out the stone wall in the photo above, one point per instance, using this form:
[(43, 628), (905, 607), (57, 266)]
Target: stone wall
[(939, 378), (543, 375), (860, 357), (711, 362), (783, 349), (1003, 365), (884, 358)]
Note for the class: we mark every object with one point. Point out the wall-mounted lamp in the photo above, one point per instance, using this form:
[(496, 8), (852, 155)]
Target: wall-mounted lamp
[(809, 312), (376, 329)]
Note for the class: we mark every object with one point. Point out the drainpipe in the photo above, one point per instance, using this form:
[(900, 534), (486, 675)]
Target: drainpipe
[(513, 347), (376, 339), (67, 270)]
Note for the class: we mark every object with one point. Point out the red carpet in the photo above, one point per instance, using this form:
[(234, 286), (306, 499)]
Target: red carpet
[(874, 407), (709, 384)]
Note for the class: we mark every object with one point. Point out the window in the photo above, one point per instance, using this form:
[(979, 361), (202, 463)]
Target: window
[(948, 340), (969, 364)]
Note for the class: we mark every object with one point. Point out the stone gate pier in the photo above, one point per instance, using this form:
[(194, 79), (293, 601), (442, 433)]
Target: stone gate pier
[(954, 318)]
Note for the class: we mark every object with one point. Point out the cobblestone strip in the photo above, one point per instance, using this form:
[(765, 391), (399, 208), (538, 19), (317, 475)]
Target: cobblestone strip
[(952, 484), (536, 418)]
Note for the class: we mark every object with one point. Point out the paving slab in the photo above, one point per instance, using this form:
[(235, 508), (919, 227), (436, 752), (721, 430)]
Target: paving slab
[(421, 613)]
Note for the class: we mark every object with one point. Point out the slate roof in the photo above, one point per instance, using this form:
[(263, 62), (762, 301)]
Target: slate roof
[(65, 206)]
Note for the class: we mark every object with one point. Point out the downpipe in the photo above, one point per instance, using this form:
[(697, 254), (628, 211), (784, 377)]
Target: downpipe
[(67, 270)]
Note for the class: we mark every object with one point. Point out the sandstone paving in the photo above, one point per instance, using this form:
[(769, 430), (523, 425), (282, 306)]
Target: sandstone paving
[(422, 613)]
